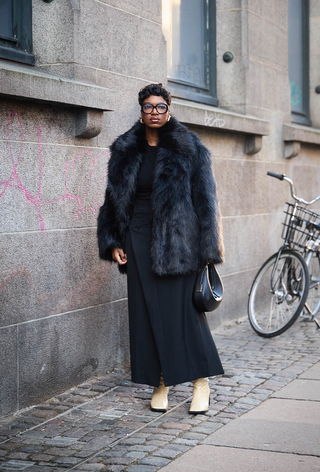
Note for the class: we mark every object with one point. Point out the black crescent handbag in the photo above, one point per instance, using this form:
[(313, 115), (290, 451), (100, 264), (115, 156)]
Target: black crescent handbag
[(208, 290)]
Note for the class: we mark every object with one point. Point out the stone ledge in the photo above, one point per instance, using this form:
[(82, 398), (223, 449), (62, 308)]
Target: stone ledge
[(26, 83), (207, 116), (303, 134), (88, 123), (293, 135)]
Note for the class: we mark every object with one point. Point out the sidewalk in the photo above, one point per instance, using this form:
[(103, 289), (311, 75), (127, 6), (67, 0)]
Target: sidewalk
[(264, 415), (281, 434)]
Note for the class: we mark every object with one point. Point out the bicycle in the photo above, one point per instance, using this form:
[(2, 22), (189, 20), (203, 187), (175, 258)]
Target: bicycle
[(287, 283)]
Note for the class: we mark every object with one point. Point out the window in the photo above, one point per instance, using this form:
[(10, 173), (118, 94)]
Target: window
[(298, 49), (189, 29), (16, 30)]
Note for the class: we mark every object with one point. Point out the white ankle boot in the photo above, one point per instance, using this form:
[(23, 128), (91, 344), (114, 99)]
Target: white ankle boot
[(159, 400), (201, 396)]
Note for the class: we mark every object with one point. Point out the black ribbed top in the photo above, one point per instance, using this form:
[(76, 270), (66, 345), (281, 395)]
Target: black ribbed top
[(145, 175)]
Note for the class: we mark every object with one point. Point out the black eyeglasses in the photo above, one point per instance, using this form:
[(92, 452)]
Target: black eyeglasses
[(160, 107)]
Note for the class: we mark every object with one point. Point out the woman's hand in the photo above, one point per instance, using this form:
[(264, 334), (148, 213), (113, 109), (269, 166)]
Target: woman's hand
[(119, 256)]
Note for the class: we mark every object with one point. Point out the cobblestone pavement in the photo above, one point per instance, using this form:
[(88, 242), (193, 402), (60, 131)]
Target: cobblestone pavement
[(106, 425)]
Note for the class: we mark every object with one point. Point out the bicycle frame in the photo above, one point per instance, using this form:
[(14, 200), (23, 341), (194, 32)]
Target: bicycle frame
[(315, 282), (286, 244), (310, 247)]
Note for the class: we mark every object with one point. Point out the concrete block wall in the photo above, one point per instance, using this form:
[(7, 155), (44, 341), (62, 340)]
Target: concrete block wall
[(63, 311)]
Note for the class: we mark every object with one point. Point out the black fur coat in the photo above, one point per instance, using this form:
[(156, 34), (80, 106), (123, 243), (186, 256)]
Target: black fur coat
[(186, 226)]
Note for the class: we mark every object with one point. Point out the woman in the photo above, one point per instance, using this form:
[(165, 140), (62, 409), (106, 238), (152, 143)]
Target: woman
[(161, 223)]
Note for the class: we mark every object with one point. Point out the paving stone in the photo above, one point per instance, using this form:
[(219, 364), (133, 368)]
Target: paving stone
[(142, 468), (180, 426), (84, 392), (186, 442), (93, 467), (60, 441), (234, 409), (10, 446), (56, 451), (257, 396), (41, 457), (194, 435), (262, 391), (250, 381), (16, 465), (114, 452), (171, 451), (67, 460), (250, 401), (42, 468), (170, 432), (18, 455), (227, 415), (214, 425), (136, 454), (84, 453), (100, 388), (132, 441), (142, 448), (227, 399), (207, 427), (161, 437), (119, 460), (116, 468), (156, 461)]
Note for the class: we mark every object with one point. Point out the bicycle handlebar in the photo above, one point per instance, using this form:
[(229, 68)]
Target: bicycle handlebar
[(298, 199), (276, 176)]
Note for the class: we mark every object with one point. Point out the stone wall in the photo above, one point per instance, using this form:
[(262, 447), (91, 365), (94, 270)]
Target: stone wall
[(63, 311)]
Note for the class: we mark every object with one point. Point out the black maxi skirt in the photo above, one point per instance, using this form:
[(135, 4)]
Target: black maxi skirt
[(167, 334)]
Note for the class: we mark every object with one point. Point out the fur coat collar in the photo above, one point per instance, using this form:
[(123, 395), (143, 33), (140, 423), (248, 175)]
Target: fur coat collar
[(186, 225)]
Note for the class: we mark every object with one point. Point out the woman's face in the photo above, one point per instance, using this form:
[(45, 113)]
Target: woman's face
[(155, 119)]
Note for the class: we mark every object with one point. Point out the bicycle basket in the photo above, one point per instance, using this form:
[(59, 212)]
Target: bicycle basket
[(300, 228)]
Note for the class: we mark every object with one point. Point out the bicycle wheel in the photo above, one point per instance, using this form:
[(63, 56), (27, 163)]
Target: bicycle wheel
[(313, 299), (273, 308)]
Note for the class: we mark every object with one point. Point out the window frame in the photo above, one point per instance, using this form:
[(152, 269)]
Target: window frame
[(303, 118), (184, 90), (19, 47)]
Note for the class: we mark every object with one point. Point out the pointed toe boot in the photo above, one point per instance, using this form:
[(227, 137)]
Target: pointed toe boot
[(159, 401), (201, 396)]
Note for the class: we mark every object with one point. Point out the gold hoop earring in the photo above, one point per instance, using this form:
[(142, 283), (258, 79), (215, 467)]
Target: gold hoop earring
[(141, 121), (169, 118)]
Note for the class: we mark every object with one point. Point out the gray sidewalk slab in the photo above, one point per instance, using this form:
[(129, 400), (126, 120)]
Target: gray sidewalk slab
[(312, 373), (226, 459), (300, 389), (278, 425)]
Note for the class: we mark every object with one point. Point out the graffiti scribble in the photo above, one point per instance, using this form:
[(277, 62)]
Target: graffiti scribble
[(14, 181), (214, 120), (296, 94)]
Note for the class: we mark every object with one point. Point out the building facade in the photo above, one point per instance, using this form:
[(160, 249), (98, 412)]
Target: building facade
[(244, 75)]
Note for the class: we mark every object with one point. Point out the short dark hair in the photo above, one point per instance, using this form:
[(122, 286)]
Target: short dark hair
[(154, 89)]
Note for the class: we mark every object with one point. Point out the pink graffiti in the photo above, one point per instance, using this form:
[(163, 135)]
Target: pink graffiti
[(14, 180)]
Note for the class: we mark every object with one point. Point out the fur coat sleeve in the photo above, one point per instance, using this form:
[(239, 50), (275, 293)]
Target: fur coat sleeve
[(108, 239)]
